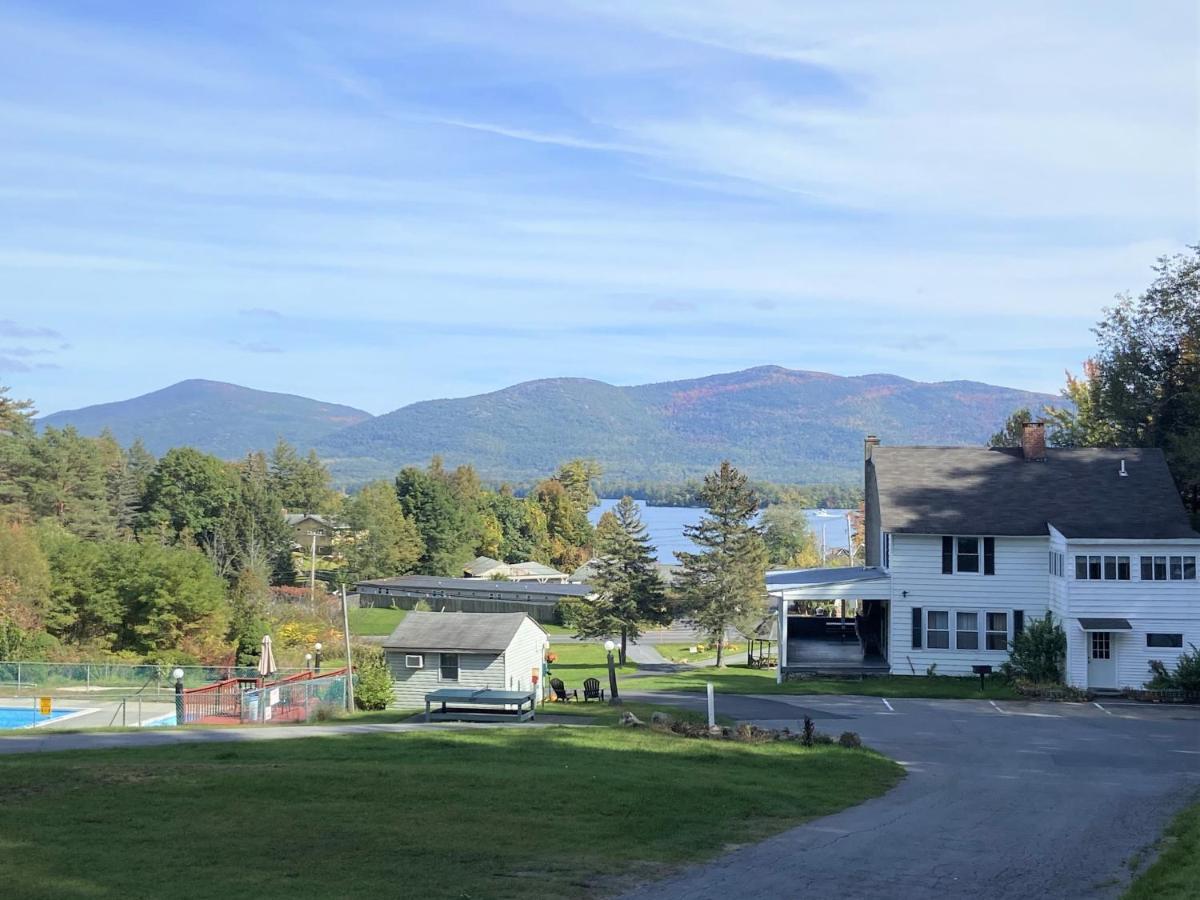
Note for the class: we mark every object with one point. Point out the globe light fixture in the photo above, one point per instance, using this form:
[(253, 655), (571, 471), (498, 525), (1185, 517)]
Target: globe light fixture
[(177, 674), (610, 646)]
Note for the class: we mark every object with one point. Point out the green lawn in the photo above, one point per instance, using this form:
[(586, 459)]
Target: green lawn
[(738, 679), (1175, 875), (374, 620), (497, 813), (682, 652), (579, 661)]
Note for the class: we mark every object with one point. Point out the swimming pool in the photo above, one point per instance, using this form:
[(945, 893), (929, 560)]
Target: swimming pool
[(28, 717)]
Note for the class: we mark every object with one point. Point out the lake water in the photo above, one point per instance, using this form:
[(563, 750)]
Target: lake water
[(665, 524)]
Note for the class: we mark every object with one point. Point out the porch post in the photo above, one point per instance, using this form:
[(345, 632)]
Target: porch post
[(783, 640)]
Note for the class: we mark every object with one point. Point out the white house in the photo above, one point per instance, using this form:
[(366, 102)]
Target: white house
[(497, 651), (967, 545)]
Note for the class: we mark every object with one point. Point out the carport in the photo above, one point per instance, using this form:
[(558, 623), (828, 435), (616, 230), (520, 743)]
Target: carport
[(832, 621)]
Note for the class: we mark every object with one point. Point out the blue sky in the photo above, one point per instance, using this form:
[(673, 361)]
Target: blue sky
[(381, 203)]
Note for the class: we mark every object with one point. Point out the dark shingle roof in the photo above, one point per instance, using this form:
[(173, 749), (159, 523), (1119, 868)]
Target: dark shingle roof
[(969, 490), (453, 631)]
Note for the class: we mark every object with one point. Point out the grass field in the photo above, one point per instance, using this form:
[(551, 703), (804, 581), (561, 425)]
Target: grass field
[(376, 621), (579, 661), (682, 652), (738, 679), (1175, 875), (498, 813)]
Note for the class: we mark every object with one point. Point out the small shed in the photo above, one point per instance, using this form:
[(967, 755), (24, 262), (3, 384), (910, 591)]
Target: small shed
[(430, 651)]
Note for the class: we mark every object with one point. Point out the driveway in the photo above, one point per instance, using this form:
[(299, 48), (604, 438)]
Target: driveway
[(1004, 800)]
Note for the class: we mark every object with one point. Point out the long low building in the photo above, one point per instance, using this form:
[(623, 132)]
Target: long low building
[(473, 595)]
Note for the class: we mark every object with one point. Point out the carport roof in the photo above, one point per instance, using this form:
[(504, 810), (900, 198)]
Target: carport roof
[(848, 582)]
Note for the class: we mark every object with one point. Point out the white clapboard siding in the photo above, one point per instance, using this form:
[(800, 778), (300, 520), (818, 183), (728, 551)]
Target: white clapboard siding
[(1021, 582), (524, 656), (1163, 607), (475, 671)]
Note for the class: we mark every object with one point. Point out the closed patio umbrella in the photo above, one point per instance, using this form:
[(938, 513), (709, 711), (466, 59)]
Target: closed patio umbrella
[(266, 659)]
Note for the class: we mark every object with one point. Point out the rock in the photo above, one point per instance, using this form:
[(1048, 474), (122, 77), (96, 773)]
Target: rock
[(629, 720), (661, 718)]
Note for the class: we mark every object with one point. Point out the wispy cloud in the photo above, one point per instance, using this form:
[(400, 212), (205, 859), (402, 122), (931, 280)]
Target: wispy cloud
[(13, 329)]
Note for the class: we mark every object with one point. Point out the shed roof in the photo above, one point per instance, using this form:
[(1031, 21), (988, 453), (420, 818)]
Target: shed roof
[(482, 565), (456, 632), (979, 490)]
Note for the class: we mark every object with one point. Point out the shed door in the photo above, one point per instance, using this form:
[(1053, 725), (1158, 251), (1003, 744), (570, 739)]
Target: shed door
[(1102, 662)]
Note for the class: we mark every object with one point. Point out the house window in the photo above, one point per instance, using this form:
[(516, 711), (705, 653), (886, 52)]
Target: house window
[(966, 551), (448, 667), (966, 634), (997, 631), (1107, 568), (1182, 568), (1164, 640), (937, 630), (1154, 568)]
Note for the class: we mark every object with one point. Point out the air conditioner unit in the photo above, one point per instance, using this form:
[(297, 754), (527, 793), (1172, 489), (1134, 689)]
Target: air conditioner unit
[(412, 661)]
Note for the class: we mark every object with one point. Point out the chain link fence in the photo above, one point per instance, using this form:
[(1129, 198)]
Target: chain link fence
[(111, 680)]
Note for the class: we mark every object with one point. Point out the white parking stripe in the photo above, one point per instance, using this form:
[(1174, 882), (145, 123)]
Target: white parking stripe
[(888, 705), (997, 708), (1101, 708)]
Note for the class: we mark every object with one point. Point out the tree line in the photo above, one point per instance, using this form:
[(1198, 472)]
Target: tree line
[(1142, 388)]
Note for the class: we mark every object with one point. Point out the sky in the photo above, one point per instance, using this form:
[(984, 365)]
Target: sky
[(379, 203)]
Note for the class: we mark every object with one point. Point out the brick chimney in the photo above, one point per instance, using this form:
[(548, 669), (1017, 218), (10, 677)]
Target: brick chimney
[(869, 444), (1033, 441)]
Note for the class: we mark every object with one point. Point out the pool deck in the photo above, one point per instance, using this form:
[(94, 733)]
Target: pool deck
[(90, 713)]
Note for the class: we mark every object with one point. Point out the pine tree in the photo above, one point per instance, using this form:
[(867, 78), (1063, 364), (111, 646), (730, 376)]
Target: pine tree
[(724, 584), (628, 591)]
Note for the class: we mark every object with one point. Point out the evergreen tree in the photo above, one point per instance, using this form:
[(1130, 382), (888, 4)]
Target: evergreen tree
[(66, 482), (430, 503), (628, 591), (1014, 428), (187, 495), (724, 583)]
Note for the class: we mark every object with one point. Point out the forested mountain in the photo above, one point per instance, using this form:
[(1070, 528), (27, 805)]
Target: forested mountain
[(226, 420), (775, 424)]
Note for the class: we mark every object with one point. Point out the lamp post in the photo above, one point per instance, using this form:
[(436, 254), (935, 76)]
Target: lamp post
[(613, 696), (178, 676), (317, 658)]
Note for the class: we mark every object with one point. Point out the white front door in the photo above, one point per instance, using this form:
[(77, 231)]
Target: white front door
[(1102, 662)]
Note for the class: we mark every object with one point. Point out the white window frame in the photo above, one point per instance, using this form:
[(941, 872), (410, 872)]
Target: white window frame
[(957, 630), (986, 631), (948, 630), (978, 554), (414, 661)]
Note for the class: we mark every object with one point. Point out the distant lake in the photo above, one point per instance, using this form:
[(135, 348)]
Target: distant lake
[(665, 524)]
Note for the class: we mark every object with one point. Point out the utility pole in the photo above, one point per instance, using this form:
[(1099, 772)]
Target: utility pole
[(312, 571)]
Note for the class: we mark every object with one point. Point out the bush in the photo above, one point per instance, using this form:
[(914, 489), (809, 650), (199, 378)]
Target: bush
[(823, 740), (850, 740), (1185, 677), (1037, 653), (373, 679), (810, 730)]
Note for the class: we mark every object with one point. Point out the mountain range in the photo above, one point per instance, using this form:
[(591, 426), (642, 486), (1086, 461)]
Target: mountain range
[(777, 424)]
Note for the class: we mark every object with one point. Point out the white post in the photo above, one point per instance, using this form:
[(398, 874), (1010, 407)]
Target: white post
[(783, 640), (712, 710), (349, 661), (312, 572)]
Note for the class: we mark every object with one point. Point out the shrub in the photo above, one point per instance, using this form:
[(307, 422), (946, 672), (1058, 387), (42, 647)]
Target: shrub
[(1037, 653), (850, 740), (1185, 677), (373, 681), (810, 730), (823, 740)]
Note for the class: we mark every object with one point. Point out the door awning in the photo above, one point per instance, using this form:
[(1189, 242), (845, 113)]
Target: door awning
[(1105, 625)]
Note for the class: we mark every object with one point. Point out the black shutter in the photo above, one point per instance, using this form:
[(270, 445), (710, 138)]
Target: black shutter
[(1018, 622), (916, 623), (947, 555), (989, 556)]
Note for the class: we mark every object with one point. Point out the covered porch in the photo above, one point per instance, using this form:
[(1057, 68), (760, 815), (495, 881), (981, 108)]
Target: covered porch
[(831, 621)]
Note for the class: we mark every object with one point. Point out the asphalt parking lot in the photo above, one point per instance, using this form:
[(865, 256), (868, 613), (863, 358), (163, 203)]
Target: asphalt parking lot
[(1002, 800)]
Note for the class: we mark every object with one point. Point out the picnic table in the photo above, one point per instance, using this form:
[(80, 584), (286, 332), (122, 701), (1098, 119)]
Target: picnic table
[(466, 705)]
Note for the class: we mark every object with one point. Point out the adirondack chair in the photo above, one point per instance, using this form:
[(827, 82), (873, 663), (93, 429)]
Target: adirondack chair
[(561, 692), (592, 690)]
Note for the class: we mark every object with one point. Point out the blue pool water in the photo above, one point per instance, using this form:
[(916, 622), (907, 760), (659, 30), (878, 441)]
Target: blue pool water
[(27, 717)]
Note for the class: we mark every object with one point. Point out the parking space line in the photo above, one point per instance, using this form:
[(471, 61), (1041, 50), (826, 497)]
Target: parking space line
[(888, 705), (997, 708), (1101, 708)]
